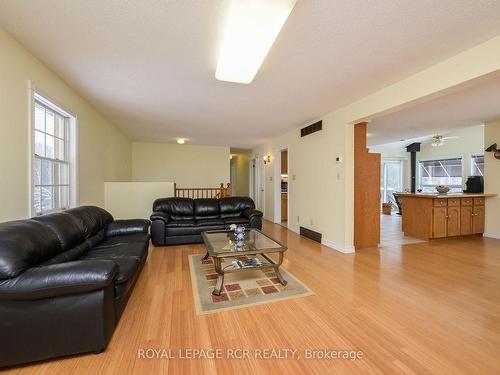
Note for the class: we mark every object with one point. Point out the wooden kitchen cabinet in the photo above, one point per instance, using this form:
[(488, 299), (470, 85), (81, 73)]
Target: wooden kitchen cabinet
[(478, 219), (453, 220), (284, 206), (466, 220), (439, 222)]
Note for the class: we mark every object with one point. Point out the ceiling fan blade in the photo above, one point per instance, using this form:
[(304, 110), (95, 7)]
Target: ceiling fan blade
[(452, 137)]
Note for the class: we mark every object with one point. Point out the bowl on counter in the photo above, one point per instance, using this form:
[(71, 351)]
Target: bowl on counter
[(442, 189)]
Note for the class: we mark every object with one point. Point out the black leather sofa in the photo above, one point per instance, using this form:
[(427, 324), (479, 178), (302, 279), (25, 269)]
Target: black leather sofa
[(65, 279), (181, 220)]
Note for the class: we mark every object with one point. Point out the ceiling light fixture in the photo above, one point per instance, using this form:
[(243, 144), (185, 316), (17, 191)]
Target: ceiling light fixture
[(251, 29), (181, 141)]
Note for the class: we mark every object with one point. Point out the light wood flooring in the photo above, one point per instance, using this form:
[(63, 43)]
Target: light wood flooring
[(425, 308)]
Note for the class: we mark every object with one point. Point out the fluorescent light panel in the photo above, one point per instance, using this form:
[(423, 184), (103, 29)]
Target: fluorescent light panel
[(251, 29)]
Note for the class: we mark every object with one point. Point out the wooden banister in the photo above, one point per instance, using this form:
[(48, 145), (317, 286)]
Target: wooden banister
[(209, 192)]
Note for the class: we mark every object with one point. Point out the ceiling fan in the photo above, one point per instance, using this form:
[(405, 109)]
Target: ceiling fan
[(438, 140)]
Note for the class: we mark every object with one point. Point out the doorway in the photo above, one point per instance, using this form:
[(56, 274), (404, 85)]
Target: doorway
[(391, 181), (284, 188)]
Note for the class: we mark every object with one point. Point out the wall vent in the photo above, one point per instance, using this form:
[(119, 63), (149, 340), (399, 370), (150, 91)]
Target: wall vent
[(313, 128), (315, 236)]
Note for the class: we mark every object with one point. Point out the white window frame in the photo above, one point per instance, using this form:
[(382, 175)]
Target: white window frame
[(447, 157), (70, 148), (472, 156)]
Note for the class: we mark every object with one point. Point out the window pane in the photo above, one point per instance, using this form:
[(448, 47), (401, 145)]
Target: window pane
[(63, 174), (49, 146), (60, 124), (39, 118), (63, 197), (39, 143), (49, 122), (37, 200), (477, 165), (37, 172), (59, 149), (46, 172), (47, 194), (441, 172)]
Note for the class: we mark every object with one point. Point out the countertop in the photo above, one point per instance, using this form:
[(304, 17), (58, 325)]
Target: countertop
[(449, 195)]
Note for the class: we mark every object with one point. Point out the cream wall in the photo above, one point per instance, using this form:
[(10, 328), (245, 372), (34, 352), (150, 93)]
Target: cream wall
[(492, 179), (323, 192), (186, 165), (103, 151), (134, 199)]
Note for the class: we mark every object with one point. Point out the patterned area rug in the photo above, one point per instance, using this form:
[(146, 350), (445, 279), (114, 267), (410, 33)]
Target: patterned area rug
[(241, 289)]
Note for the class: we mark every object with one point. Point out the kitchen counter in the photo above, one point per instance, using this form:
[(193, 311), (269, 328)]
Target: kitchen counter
[(449, 195), (428, 215)]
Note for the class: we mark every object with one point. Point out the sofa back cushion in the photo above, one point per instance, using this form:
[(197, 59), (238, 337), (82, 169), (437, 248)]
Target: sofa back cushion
[(91, 218), (25, 244), (67, 228), (177, 208), (234, 206), (206, 208)]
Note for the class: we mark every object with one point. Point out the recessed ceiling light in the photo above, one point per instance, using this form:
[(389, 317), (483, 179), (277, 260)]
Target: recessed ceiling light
[(251, 29), (181, 141)]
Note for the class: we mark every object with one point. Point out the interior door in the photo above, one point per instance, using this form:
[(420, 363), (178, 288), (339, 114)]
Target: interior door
[(391, 180)]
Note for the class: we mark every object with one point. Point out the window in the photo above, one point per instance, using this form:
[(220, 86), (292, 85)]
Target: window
[(441, 172), (477, 165), (51, 157)]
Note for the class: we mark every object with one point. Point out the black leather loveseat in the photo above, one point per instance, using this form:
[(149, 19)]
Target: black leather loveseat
[(181, 220), (64, 281)]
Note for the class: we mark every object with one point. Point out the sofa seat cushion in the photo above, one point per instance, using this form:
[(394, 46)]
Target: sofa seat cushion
[(127, 264), (181, 223), (236, 220), (124, 239), (134, 250), (190, 231), (209, 222)]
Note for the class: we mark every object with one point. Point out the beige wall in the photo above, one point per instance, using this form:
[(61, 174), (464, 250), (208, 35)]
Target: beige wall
[(127, 200), (103, 150), (322, 195), (492, 179), (186, 165), (240, 162)]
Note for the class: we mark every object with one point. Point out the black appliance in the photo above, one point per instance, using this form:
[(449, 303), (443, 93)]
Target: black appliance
[(475, 184), (284, 186)]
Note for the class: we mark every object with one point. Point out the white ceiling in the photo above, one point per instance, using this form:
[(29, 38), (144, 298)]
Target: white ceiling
[(470, 104), (149, 65)]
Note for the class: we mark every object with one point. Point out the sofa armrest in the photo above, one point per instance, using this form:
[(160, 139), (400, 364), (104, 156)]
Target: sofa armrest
[(249, 213), (59, 279), (120, 227), (159, 215)]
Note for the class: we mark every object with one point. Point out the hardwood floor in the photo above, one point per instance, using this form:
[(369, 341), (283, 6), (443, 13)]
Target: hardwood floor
[(431, 307)]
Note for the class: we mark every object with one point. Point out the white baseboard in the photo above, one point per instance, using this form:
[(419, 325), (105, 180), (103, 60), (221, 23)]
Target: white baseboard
[(492, 235), (334, 246)]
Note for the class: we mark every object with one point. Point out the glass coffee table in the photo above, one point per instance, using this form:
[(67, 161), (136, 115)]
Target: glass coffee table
[(222, 244)]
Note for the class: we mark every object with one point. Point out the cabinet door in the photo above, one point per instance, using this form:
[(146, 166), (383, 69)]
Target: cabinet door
[(439, 222), (284, 207), (466, 220), (478, 220), (453, 224)]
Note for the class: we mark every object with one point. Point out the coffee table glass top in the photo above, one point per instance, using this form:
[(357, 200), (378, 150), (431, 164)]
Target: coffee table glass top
[(222, 243)]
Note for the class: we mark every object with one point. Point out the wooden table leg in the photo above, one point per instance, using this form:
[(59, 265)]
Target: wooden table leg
[(220, 278)]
